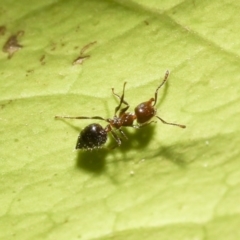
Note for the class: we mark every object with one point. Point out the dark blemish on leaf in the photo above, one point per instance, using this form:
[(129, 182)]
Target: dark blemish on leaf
[(29, 71), (5, 104), (77, 29), (87, 46), (53, 46), (11, 46), (146, 22), (2, 30), (79, 60), (42, 59)]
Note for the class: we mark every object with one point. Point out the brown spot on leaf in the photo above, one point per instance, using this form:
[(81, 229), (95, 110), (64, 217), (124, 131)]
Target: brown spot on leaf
[(81, 58), (5, 104), (11, 46), (146, 22), (2, 30), (77, 29), (42, 58), (29, 71), (53, 46)]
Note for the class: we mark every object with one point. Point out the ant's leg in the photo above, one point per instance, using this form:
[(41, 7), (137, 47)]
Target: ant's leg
[(174, 124), (95, 117), (121, 101), (122, 133), (156, 92), (122, 97), (117, 139), (145, 124)]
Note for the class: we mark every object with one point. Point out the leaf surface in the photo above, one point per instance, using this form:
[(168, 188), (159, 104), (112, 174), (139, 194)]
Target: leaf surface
[(163, 182)]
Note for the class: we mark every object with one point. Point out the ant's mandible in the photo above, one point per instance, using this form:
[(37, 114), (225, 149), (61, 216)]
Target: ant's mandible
[(94, 136)]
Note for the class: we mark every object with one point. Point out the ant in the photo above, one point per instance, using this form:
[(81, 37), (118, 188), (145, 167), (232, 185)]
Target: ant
[(94, 136)]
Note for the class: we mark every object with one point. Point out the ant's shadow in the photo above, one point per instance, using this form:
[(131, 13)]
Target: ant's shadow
[(94, 161), (138, 139)]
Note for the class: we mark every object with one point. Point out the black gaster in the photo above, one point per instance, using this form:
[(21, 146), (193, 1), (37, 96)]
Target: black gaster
[(91, 137)]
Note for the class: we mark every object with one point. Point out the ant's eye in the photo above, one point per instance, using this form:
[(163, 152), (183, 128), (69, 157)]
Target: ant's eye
[(144, 112), (92, 136)]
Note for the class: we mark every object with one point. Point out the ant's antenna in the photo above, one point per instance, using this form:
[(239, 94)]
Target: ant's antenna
[(156, 92)]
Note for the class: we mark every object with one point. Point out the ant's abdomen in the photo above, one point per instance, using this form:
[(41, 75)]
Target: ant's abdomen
[(91, 137)]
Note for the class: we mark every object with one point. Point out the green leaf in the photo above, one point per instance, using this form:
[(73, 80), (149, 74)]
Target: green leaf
[(163, 182)]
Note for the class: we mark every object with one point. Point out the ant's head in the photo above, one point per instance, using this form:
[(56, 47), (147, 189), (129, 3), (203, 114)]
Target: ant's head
[(91, 137), (145, 111)]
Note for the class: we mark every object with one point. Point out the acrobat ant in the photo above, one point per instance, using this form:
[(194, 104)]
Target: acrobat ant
[(94, 136)]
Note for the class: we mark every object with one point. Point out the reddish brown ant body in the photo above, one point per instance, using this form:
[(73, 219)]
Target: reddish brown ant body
[(95, 136)]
